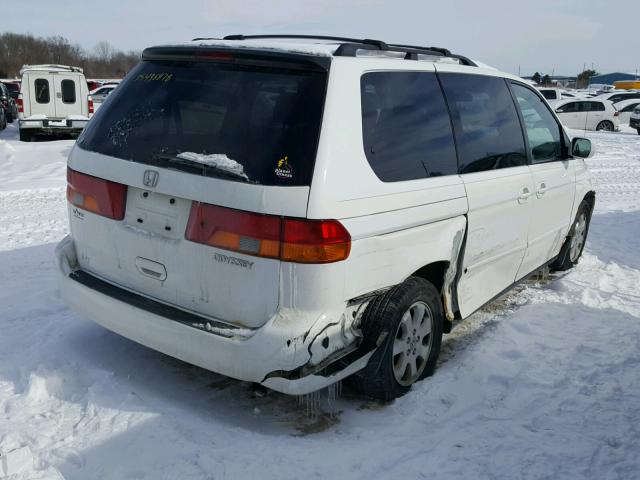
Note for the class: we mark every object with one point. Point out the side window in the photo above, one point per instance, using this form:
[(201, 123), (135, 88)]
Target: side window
[(486, 123), (406, 126), (569, 107), (42, 90), (549, 94), (543, 132), (629, 108), (68, 91), (595, 106)]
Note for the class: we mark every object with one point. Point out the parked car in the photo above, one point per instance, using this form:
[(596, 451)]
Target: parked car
[(618, 96), (554, 94), (296, 215), (634, 119), (3, 119), (8, 104), (99, 95), (625, 109), (14, 89), (53, 100), (588, 114), (93, 84)]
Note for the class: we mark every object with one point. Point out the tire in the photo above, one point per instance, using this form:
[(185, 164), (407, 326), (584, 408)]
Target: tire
[(411, 311), (573, 246), (639, 131), (25, 136), (604, 126)]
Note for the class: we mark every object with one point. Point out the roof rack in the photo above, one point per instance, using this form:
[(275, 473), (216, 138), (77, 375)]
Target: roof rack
[(51, 66), (349, 47)]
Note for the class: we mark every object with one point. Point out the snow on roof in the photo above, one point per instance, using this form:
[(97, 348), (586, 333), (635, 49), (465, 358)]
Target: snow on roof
[(483, 65), (319, 48)]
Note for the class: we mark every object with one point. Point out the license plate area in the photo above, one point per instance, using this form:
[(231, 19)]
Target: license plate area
[(156, 213)]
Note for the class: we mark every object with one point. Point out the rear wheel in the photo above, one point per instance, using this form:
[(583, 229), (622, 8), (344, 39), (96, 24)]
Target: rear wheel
[(408, 321), (605, 126), (573, 246), (25, 136)]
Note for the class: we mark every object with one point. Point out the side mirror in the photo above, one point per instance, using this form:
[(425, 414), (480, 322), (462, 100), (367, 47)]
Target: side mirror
[(581, 148)]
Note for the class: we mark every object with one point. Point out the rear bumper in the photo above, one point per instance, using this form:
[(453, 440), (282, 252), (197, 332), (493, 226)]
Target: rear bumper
[(283, 355), (54, 126)]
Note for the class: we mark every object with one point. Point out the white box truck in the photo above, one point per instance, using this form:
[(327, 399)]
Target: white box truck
[(53, 100)]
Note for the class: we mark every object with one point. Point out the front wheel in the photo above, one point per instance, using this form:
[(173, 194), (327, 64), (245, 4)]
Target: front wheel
[(573, 246), (408, 322), (605, 126)]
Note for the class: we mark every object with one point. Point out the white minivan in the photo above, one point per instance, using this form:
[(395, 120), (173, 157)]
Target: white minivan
[(293, 211), (53, 100)]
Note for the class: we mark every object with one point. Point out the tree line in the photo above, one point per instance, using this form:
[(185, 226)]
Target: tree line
[(104, 61)]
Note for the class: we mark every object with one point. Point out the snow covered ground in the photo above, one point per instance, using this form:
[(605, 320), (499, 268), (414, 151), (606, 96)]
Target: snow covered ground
[(543, 383)]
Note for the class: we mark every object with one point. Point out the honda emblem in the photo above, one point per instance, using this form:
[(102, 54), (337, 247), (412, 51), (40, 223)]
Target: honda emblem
[(150, 178)]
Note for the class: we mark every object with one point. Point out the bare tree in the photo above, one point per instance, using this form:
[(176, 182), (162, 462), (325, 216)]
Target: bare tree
[(17, 50), (104, 51)]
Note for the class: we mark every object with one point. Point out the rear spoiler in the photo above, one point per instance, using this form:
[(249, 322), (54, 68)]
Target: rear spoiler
[(241, 56)]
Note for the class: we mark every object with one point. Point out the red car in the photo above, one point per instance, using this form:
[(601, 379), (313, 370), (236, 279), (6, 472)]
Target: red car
[(93, 84)]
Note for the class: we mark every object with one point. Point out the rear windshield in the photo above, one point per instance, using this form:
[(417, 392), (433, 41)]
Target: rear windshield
[(248, 123), (13, 87)]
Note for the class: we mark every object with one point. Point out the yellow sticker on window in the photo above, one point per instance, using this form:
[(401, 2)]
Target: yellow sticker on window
[(154, 77)]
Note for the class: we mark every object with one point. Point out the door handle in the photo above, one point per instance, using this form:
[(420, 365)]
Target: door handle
[(541, 190), (525, 193)]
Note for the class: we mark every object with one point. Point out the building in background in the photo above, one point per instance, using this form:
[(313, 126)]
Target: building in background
[(610, 78)]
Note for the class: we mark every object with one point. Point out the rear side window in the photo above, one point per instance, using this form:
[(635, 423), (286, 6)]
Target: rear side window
[(594, 106), (487, 127), (549, 94), (211, 118), (42, 90), (406, 126), (68, 91), (569, 107)]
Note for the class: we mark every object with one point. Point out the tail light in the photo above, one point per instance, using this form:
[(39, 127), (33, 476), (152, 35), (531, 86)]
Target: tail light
[(616, 114), (90, 104), (20, 104), (270, 236), (314, 241), (96, 195)]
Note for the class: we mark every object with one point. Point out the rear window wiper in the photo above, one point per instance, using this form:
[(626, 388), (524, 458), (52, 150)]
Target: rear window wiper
[(206, 170)]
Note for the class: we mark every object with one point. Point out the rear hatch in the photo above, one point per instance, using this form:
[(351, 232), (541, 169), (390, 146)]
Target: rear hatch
[(181, 185)]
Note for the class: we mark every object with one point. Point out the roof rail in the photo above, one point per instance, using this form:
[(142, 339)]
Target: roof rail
[(349, 46)]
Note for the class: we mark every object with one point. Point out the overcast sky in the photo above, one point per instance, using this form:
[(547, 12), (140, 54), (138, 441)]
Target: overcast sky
[(544, 35)]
